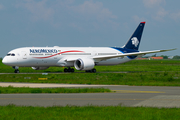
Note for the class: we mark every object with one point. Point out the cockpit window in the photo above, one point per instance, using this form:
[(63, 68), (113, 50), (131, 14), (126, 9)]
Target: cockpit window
[(10, 54)]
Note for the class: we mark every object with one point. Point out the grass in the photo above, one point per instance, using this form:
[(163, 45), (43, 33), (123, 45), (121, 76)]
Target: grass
[(140, 73), (10, 89), (10, 112), (132, 78), (135, 65)]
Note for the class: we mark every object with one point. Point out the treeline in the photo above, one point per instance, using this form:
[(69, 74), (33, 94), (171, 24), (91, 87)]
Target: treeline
[(174, 57), (164, 56)]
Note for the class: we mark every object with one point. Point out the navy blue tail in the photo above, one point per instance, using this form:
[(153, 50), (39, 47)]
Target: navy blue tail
[(135, 39)]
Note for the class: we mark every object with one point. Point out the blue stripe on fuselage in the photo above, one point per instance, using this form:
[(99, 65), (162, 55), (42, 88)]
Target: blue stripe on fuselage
[(123, 50)]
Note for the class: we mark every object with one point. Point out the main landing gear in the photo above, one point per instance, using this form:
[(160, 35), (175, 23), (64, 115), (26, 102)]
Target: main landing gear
[(16, 69), (69, 69), (91, 71)]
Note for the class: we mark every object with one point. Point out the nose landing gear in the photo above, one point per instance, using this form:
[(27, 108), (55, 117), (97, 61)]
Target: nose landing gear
[(16, 69)]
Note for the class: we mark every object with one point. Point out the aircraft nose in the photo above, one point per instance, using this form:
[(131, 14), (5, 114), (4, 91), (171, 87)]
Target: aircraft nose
[(5, 61)]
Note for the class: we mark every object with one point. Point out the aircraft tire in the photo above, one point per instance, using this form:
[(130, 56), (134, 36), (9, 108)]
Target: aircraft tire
[(87, 71), (16, 71), (69, 70), (65, 70), (93, 70), (72, 70)]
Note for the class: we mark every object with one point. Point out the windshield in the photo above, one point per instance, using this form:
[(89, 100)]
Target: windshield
[(10, 54)]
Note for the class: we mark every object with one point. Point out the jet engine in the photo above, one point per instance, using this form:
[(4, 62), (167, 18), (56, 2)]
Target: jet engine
[(40, 68), (84, 64)]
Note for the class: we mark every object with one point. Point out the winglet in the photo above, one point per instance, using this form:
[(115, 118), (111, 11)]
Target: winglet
[(168, 50)]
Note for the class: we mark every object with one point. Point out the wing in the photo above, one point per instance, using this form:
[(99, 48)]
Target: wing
[(104, 57)]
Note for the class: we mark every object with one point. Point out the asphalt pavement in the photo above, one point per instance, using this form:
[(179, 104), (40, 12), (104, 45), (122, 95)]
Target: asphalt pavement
[(124, 95)]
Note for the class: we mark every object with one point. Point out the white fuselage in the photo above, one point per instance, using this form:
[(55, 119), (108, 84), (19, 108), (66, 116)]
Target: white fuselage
[(60, 56)]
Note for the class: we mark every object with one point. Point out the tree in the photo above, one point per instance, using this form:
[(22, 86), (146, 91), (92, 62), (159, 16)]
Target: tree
[(153, 55), (164, 56), (176, 57)]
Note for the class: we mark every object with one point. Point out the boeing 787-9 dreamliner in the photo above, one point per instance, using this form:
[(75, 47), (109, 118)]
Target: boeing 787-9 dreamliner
[(82, 58)]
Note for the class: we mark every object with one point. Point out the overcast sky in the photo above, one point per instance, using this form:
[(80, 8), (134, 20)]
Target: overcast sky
[(84, 23)]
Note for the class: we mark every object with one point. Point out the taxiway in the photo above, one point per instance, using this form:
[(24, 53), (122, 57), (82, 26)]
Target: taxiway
[(150, 96)]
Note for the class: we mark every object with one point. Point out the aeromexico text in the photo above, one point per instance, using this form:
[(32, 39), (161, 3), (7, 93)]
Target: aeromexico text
[(43, 50)]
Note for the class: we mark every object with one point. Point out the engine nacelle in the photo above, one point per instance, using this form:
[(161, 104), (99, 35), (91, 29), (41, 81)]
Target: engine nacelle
[(40, 68), (84, 64)]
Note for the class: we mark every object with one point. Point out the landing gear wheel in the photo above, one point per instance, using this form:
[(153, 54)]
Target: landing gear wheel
[(65, 70), (88, 71), (69, 70), (72, 70), (91, 71), (16, 71)]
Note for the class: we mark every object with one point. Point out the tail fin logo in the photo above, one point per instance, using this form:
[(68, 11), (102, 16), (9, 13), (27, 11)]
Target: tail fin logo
[(135, 41)]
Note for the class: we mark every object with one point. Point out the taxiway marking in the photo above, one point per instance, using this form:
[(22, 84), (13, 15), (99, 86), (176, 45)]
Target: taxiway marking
[(131, 91)]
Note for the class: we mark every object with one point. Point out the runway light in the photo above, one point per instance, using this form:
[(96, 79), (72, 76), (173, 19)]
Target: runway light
[(44, 73), (27, 77)]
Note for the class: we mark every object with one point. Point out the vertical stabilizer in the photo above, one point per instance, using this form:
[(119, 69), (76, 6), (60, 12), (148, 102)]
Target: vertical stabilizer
[(135, 39)]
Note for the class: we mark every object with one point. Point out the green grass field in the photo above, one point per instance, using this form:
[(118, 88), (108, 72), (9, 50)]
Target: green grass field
[(139, 78), (134, 66), (140, 72), (12, 112), (10, 89)]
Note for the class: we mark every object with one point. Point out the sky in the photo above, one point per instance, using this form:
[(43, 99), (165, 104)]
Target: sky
[(89, 23)]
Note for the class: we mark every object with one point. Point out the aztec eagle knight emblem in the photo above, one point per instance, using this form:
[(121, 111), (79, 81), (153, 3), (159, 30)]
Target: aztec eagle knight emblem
[(135, 41)]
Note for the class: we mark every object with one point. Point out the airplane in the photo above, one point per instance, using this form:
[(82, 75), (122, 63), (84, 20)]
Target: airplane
[(82, 58)]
